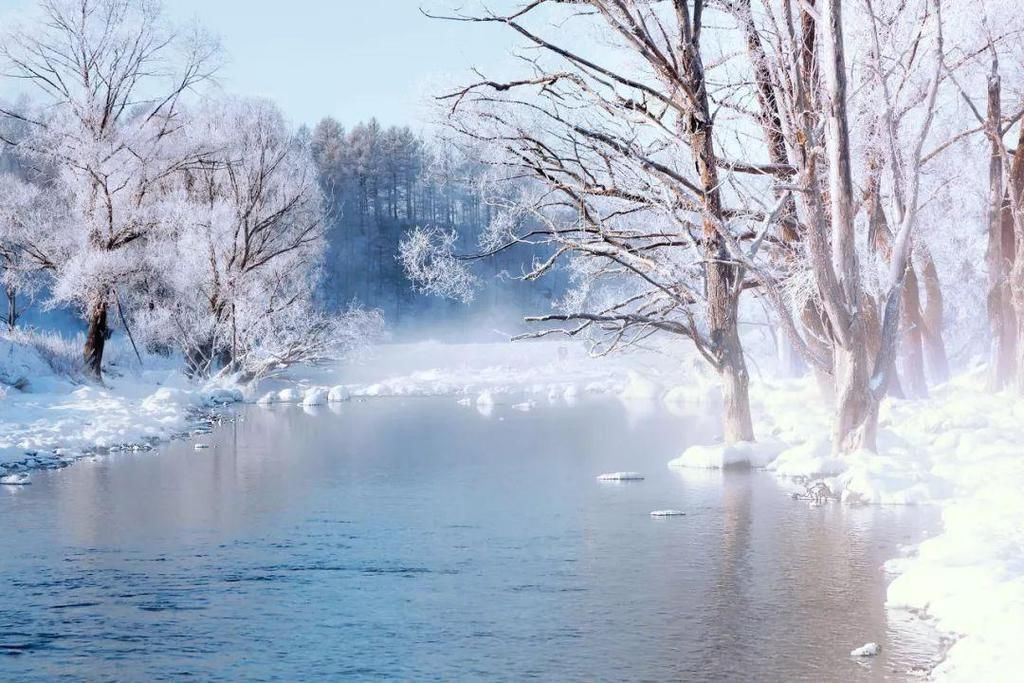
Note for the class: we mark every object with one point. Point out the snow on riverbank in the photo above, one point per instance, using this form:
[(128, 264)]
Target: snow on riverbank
[(540, 370), (51, 421), (960, 448)]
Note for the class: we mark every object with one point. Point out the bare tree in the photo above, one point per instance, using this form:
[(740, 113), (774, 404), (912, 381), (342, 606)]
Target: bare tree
[(628, 181)]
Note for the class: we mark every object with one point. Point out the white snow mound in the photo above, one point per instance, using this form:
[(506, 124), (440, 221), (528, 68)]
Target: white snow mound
[(641, 388), (316, 396), (338, 394), (289, 396), (720, 456)]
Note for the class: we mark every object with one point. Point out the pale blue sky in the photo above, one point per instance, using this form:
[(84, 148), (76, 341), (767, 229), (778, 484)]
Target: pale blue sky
[(351, 59)]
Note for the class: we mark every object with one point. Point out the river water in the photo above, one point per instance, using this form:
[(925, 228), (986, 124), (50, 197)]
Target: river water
[(422, 540)]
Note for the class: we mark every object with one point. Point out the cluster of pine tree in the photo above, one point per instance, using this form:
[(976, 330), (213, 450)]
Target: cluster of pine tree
[(379, 182)]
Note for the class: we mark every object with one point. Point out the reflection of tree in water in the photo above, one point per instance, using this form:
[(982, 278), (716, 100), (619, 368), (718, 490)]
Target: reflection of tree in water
[(729, 612)]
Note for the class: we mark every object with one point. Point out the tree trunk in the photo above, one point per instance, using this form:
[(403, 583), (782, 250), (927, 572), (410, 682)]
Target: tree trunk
[(96, 339), (1004, 331), (856, 419), (722, 274), (913, 359), (12, 307), (736, 422), (932, 318)]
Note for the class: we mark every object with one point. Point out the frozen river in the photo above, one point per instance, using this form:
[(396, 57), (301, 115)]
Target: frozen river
[(421, 540)]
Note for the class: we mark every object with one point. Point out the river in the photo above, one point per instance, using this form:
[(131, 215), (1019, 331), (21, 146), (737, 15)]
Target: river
[(422, 540)]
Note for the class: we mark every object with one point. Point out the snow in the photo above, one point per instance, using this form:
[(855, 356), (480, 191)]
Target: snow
[(639, 387), (667, 513), (621, 476), (315, 396), (960, 449), (511, 374), (289, 395), (55, 421), (721, 456), (338, 394), (867, 650)]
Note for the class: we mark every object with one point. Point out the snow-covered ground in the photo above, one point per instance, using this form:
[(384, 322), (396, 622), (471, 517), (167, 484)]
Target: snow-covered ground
[(50, 420), (959, 449)]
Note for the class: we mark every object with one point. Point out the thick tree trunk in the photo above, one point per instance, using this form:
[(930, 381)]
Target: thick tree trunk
[(932, 318), (96, 339), (736, 422), (856, 418), (722, 274)]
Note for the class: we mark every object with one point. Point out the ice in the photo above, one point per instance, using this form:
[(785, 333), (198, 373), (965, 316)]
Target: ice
[(866, 650), (525, 406), (201, 446), (17, 479), (621, 476), (267, 398), (667, 513)]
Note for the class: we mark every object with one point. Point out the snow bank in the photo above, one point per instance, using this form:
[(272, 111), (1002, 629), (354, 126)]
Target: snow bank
[(960, 448), (720, 456), (510, 372), (289, 395), (315, 396), (338, 394), (53, 421)]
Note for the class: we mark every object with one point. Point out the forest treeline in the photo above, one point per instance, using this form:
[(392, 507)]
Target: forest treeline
[(379, 182)]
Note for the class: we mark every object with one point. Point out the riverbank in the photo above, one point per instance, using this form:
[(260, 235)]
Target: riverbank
[(49, 419)]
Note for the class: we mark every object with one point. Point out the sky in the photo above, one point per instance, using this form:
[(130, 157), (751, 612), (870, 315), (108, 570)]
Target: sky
[(350, 59)]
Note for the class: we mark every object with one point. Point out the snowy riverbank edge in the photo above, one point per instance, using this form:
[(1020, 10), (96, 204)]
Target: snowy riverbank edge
[(960, 449)]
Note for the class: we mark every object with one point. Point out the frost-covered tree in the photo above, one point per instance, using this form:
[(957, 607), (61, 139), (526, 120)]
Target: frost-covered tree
[(236, 285), (630, 178), (111, 75)]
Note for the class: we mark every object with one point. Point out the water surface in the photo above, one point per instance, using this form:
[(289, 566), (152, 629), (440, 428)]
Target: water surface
[(420, 540)]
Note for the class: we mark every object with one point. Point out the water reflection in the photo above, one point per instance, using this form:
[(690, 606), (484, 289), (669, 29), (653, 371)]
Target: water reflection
[(410, 539)]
